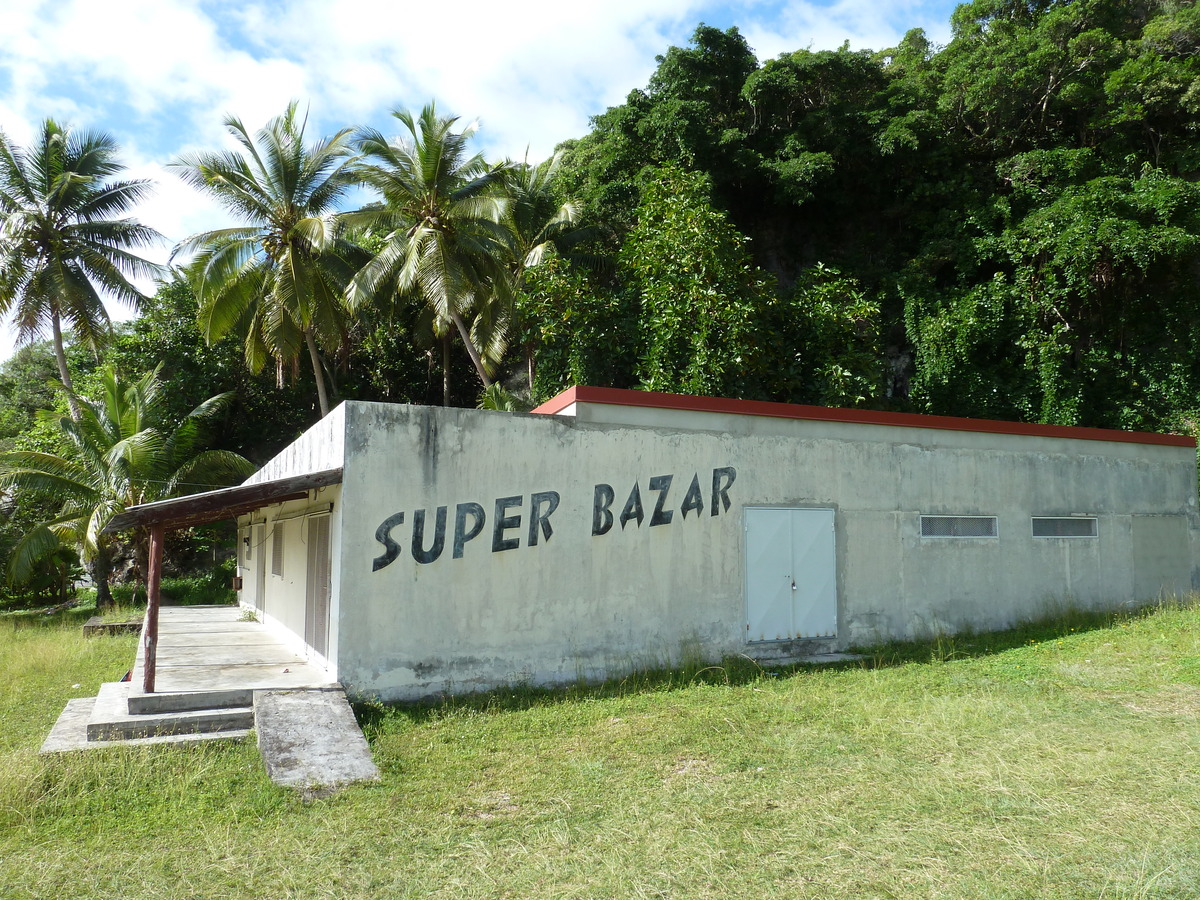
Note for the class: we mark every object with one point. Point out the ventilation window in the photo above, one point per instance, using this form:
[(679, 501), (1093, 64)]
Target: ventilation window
[(1064, 527), (277, 550), (959, 527)]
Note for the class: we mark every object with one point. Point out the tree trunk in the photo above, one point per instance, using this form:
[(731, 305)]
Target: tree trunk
[(446, 368), (64, 373), (318, 373), (99, 570), (471, 351)]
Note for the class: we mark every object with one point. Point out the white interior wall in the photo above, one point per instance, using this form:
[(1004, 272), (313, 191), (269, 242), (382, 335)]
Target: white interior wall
[(284, 598)]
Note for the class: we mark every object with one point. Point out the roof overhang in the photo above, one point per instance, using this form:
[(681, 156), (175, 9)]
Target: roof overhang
[(226, 503)]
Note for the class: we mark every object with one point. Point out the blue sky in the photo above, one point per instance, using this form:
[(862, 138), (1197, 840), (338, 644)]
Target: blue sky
[(160, 75)]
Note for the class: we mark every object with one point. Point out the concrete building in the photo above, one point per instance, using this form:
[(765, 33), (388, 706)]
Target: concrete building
[(412, 551)]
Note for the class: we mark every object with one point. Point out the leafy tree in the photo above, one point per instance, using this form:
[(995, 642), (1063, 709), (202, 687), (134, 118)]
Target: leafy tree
[(26, 385), (119, 453), (261, 419), (584, 332), (64, 239), (541, 224), (277, 280), (445, 239), (698, 292), (1088, 317)]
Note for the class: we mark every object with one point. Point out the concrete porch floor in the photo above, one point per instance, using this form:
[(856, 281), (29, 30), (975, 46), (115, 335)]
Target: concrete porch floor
[(211, 649)]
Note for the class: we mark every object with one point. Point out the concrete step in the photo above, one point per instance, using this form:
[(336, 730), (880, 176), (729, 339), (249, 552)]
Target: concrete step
[(310, 740), (785, 652), (186, 701), (70, 732), (111, 719), (141, 704)]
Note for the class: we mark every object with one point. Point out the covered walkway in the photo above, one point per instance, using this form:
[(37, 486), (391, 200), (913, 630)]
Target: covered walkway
[(204, 650)]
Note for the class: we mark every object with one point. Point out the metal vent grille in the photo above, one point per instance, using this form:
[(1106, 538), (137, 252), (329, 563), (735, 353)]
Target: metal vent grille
[(1065, 526), (277, 549), (959, 527)]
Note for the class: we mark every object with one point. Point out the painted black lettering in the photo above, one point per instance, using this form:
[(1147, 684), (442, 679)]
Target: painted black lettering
[(602, 517), (391, 549), (461, 534), (662, 484), (693, 500), (505, 522), (720, 493), (420, 554), (539, 520), (633, 507)]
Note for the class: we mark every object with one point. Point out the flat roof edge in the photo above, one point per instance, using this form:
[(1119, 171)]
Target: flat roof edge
[(769, 409)]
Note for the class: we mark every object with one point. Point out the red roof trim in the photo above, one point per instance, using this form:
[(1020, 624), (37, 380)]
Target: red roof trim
[(652, 400)]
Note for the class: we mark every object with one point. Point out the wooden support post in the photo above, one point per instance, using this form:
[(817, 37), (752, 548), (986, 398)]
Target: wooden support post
[(153, 579)]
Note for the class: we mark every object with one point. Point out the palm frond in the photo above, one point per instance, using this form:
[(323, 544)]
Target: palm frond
[(34, 546)]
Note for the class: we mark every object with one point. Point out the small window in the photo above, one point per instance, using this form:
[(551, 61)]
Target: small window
[(959, 527), (1064, 527), (247, 546), (277, 550)]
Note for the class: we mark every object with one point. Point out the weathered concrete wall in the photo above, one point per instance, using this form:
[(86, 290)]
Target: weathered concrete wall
[(483, 599)]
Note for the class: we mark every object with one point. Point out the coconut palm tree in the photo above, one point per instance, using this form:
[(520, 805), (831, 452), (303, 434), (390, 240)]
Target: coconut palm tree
[(118, 453), (443, 216), (64, 237), (541, 224), (277, 278)]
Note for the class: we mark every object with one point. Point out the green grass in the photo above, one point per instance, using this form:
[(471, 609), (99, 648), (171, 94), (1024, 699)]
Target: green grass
[(1060, 761)]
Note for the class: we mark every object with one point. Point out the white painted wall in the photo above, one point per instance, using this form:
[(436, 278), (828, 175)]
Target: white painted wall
[(584, 605), (283, 603)]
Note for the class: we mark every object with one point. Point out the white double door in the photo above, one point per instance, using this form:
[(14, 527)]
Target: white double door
[(791, 574)]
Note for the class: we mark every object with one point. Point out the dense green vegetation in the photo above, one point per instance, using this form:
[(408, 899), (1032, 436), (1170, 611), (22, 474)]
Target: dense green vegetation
[(1054, 761), (1007, 226)]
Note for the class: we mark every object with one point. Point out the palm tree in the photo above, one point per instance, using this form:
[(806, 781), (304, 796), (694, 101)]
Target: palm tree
[(541, 225), (277, 279), (442, 214), (118, 453), (63, 238)]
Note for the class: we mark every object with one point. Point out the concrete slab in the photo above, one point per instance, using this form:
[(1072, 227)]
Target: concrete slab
[(111, 720), (96, 625), (311, 740), (225, 654), (213, 650), (204, 615), (227, 637), (256, 676), (70, 732)]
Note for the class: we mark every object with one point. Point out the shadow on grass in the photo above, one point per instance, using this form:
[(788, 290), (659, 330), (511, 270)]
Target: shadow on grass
[(967, 644), (741, 670)]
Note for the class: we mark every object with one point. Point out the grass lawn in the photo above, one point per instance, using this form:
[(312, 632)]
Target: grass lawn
[(1061, 760)]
